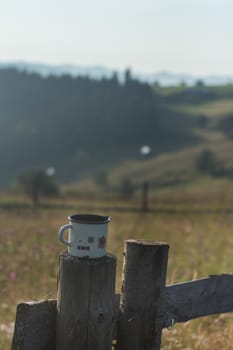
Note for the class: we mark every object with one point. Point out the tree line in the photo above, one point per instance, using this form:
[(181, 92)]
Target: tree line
[(78, 125)]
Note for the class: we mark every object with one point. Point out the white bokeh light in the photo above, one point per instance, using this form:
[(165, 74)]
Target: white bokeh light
[(50, 171), (145, 150)]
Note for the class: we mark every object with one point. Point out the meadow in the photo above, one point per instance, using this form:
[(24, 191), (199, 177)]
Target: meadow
[(191, 208), (201, 243)]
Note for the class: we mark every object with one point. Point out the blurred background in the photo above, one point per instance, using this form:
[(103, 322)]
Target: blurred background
[(84, 87), (123, 108)]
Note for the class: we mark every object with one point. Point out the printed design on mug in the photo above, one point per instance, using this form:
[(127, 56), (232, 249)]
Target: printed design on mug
[(82, 247), (102, 242), (91, 239)]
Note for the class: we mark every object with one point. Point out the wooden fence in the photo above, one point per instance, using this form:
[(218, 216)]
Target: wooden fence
[(88, 315)]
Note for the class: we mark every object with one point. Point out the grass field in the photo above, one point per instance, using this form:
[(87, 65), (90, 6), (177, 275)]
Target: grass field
[(200, 245), (177, 169), (212, 109), (222, 91)]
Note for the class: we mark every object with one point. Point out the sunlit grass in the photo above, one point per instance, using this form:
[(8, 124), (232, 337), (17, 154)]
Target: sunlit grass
[(211, 109), (174, 169), (199, 245)]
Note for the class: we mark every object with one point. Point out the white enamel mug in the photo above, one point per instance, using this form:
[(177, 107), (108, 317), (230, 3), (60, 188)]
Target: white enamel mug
[(87, 235)]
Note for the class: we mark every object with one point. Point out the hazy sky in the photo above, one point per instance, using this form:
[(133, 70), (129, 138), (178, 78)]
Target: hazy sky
[(193, 36)]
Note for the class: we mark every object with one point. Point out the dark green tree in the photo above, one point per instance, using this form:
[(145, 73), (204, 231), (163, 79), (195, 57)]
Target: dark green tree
[(128, 75), (36, 183), (200, 83), (208, 163), (226, 125), (101, 178), (202, 121), (127, 189)]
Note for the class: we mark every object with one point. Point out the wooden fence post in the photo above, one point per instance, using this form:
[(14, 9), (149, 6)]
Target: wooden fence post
[(85, 304), (145, 192), (141, 306), (35, 326)]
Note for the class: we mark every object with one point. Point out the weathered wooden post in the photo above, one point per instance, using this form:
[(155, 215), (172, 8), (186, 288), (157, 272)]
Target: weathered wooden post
[(35, 326), (141, 306), (86, 286), (85, 303)]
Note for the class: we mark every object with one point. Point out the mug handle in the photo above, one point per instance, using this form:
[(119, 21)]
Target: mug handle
[(61, 234)]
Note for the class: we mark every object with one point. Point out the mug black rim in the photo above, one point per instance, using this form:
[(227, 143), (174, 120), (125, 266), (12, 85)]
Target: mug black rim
[(89, 218)]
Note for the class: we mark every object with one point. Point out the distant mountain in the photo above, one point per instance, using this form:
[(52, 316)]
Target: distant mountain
[(164, 78), (96, 72)]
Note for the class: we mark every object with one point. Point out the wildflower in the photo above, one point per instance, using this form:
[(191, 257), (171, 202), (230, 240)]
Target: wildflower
[(12, 275), (7, 328)]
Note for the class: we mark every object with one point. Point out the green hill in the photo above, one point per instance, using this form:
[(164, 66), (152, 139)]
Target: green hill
[(211, 123), (79, 125)]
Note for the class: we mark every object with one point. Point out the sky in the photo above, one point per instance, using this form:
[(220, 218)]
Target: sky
[(181, 36)]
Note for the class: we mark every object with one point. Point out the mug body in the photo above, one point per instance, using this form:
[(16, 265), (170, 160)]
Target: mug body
[(88, 235)]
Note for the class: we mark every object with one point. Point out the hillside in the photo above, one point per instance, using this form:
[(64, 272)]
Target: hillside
[(79, 125), (82, 126), (213, 126)]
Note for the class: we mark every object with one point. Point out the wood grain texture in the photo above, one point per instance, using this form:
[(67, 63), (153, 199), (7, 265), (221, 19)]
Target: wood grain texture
[(207, 296), (141, 305), (85, 305), (35, 326), (101, 305)]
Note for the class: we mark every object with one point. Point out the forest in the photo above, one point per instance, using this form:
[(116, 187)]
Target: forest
[(78, 125)]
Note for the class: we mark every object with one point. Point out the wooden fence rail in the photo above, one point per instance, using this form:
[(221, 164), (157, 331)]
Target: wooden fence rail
[(207, 296), (133, 320)]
